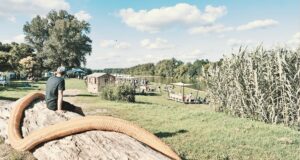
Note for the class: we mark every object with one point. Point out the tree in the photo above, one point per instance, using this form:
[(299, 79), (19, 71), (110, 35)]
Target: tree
[(5, 47), (27, 66), (18, 52), (181, 72), (196, 69), (37, 32), (11, 54), (4, 58), (87, 70), (142, 69), (36, 35), (59, 39), (166, 68)]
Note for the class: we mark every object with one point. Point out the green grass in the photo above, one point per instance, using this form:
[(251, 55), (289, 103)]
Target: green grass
[(76, 84), (19, 89), (195, 131)]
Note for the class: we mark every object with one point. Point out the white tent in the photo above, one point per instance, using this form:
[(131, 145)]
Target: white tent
[(182, 85)]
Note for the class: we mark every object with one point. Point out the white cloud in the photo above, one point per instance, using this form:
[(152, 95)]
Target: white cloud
[(18, 39), (221, 36), (9, 9), (219, 28), (158, 43), (181, 14), (107, 43), (258, 24), (191, 56), (297, 36), (12, 19), (196, 52), (83, 16), (114, 44), (237, 42), (123, 45), (295, 41), (212, 13)]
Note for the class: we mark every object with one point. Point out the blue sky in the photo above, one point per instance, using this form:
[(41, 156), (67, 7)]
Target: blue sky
[(126, 33)]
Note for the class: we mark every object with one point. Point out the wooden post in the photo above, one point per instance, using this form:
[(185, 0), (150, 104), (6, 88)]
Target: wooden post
[(183, 93)]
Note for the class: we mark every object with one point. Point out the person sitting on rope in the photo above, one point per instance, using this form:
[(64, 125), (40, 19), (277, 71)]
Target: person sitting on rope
[(54, 93)]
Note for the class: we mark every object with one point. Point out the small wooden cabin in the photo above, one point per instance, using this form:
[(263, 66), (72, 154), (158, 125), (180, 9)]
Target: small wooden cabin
[(97, 81)]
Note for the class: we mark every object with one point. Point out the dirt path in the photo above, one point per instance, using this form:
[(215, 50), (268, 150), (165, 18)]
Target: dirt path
[(71, 92)]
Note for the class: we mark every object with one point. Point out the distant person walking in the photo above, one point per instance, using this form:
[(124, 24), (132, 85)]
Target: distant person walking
[(54, 93)]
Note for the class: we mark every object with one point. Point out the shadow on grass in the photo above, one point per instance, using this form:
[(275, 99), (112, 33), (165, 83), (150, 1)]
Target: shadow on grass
[(40, 82), (8, 98), (86, 95), (66, 95), (147, 94), (170, 134), (18, 88), (139, 102), (80, 95)]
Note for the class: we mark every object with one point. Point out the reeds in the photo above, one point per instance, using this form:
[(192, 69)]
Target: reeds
[(260, 84)]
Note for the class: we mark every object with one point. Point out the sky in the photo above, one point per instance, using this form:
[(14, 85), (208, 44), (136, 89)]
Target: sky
[(130, 32)]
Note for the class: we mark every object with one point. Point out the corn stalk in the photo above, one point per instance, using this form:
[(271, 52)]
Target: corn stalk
[(258, 84)]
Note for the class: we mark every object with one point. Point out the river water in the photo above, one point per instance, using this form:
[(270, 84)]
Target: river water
[(197, 84)]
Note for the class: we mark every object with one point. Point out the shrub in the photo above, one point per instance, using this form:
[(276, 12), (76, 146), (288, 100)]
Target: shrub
[(260, 84), (108, 92), (123, 92)]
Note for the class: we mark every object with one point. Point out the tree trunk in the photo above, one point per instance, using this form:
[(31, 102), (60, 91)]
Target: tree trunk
[(88, 145)]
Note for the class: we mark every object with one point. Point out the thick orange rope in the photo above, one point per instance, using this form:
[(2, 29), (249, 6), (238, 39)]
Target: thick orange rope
[(77, 125)]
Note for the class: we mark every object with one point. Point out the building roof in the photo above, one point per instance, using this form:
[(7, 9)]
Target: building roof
[(97, 75)]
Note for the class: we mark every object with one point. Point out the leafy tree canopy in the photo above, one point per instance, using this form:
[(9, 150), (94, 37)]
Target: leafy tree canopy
[(59, 39), (11, 54), (166, 68)]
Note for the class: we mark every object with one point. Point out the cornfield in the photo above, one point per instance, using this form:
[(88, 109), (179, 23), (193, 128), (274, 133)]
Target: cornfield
[(259, 84)]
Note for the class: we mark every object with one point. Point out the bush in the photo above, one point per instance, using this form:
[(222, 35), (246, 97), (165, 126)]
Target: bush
[(122, 92), (260, 84)]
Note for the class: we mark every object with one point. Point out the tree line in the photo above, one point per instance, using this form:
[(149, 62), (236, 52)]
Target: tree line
[(165, 68)]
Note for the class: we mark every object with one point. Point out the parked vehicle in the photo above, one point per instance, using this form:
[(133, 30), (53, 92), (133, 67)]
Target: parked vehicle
[(3, 81)]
